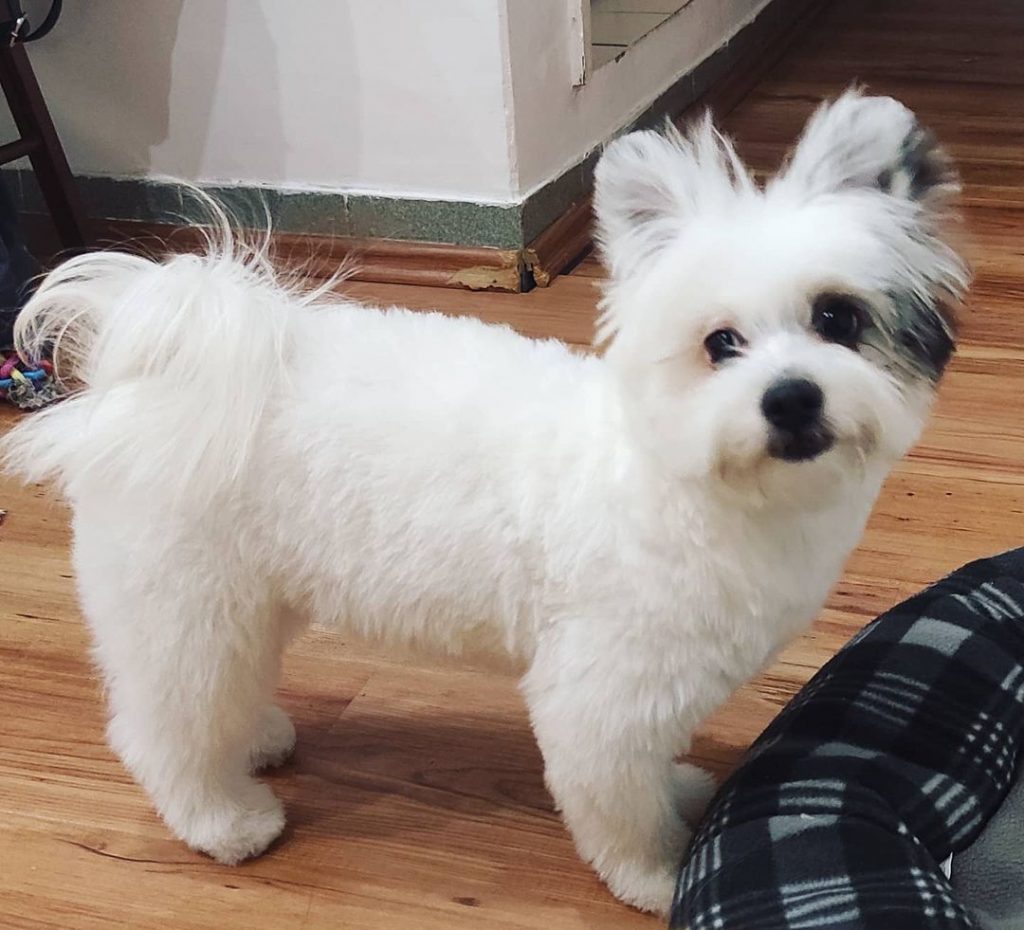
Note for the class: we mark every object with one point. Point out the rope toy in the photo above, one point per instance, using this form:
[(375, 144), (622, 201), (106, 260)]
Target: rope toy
[(26, 386)]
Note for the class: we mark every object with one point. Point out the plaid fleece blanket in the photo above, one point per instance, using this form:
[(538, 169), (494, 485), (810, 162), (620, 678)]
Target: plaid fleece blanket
[(893, 757)]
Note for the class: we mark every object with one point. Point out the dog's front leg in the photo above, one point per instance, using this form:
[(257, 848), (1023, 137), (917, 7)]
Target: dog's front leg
[(609, 731)]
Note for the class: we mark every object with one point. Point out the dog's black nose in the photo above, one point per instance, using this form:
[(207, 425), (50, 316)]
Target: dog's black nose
[(793, 404)]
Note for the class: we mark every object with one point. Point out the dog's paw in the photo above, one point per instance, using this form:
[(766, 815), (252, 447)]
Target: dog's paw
[(235, 832), (644, 887), (647, 878), (694, 788), (275, 739)]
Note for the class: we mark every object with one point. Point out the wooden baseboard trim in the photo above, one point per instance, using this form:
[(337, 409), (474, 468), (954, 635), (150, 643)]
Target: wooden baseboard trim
[(751, 54), (390, 261), (565, 240)]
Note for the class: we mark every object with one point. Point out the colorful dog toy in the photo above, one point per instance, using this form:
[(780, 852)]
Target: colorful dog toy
[(26, 386)]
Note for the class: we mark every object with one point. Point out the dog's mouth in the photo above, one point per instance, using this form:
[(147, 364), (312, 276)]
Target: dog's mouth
[(803, 446)]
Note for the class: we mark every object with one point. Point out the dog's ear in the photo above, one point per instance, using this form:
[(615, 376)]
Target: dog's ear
[(859, 142), (648, 184)]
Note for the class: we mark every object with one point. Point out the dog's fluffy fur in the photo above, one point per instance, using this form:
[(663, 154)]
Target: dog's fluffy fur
[(629, 529)]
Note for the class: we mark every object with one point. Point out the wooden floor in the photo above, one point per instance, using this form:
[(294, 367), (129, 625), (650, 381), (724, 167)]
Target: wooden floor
[(416, 797)]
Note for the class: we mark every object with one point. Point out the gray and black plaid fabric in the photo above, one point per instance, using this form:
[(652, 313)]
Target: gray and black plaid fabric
[(890, 759)]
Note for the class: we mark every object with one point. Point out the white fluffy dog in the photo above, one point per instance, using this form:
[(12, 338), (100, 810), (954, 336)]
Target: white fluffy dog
[(638, 532)]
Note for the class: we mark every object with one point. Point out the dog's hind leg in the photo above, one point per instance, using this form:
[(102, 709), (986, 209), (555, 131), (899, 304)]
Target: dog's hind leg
[(274, 738), (189, 646)]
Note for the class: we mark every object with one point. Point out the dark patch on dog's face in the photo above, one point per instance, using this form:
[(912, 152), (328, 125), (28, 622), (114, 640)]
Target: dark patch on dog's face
[(933, 349), (917, 340), (918, 343)]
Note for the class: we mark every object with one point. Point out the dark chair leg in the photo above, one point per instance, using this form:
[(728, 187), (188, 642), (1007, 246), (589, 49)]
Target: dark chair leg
[(40, 142)]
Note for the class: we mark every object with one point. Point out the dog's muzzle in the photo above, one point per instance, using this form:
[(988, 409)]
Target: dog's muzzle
[(794, 409)]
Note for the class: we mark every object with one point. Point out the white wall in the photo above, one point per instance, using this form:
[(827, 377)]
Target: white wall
[(556, 123), (447, 99), (404, 97)]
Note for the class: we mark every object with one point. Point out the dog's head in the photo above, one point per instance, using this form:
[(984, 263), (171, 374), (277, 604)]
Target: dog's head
[(782, 338)]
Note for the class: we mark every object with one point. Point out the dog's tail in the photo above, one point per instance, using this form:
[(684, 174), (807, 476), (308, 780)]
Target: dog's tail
[(171, 365)]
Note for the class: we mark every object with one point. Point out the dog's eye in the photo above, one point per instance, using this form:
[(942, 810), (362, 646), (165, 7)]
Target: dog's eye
[(723, 344), (838, 319)]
